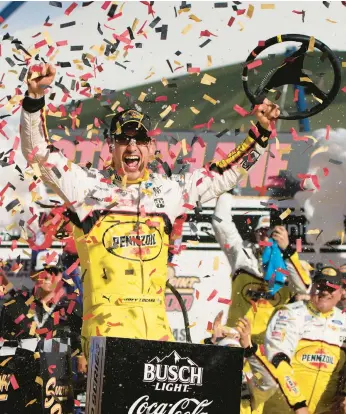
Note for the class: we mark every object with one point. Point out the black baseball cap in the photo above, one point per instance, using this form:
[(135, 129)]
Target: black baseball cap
[(329, 274), (124, 120)]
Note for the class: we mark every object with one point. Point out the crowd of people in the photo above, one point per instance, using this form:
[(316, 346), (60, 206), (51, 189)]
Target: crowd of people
[(285, 314)]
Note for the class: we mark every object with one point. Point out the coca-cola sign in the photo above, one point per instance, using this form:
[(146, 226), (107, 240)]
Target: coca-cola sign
[(137, 376)]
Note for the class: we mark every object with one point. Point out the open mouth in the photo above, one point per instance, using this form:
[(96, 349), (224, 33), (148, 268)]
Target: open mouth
[(131, 161)]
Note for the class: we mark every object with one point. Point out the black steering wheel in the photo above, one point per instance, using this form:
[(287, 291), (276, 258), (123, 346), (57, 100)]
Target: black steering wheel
[(290, 72)]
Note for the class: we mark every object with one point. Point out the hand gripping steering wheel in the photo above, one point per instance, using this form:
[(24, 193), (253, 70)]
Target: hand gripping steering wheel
[(291, 72)]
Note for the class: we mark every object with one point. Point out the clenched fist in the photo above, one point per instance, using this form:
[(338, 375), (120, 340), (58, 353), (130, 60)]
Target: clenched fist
[(266, 113), (39, 77)]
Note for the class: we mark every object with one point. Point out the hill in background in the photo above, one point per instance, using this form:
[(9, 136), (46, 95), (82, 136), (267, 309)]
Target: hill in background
[(187, 91)]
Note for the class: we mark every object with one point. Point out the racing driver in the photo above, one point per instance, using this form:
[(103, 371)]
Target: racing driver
[(123, 216), (305, 342)]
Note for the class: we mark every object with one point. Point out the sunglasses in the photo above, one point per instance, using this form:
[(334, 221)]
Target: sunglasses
[(326, 287), (140, 138)]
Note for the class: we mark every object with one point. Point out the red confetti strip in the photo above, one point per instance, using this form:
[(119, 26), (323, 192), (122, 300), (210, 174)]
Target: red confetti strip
[(296, 95), (297, 11), (40, 44), (19, 319), (70, 9), (98, 333), (206, 33), (283, 271), (254, 64), (327, 132), (197, 294), (51, 369), (240, 12), (71, 306), (254, 306), (56, 318), (265, 243), (325, 171), (188, 206), (88, 316), (212, 295), (241, 111), (72, 267), (154, 132), (105, 5), (114, 324), (164, 338), (41, 331), (231, 21), (14, 382), (161, 98), (210, 326), (344, 89), (299, 245), (62, 43), (225, 301)]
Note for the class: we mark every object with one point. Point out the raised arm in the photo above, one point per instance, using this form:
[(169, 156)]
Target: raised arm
[(66, 179), (231, 242), (221, 176)]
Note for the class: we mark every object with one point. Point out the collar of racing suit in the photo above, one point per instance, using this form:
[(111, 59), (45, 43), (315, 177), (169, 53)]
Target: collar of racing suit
[(315, 311), (144, 177)]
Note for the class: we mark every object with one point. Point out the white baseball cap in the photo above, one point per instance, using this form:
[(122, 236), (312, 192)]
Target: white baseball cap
[(41, 261), (263, 223)]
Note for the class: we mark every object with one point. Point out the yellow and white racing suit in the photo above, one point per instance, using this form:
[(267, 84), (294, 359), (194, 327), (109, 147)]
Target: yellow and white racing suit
[(123, 229), (307, 349), (250, 295)]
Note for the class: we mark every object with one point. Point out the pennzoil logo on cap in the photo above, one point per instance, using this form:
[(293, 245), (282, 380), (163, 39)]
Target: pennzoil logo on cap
[(329, 271)]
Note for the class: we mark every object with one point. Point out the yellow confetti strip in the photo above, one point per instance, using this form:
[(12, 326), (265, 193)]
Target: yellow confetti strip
[(134, 24), (209, 99), (142, 96), (305, 79), (32, 329), (169, 123), (216, 263), (194, 18), (39, 381), (313, 231), (285, 214), (341, 234), (56, 137), (4, 362), (207, 79), (166, 111), (164, 81), (194, 110), (331, 21), (250, 11), (37, 355), (117, 103), (186, 10), (30, 300), (277, 144), (150, 75), (183, 146), (209, 60), (343, 64), (267, 6), (192, 325), (193, 242), (311, 44), (31, 402), (186, 29), (36, 169)]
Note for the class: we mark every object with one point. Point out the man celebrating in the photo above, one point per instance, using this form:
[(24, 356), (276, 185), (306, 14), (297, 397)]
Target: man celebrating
[(123, 216), (305, 342)]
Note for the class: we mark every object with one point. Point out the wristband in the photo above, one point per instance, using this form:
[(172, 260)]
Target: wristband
[(32, 105), (262, 133)]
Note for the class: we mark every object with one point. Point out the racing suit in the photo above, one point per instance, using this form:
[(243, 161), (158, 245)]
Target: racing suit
[(307, 349), (250, 295), (122, 232)]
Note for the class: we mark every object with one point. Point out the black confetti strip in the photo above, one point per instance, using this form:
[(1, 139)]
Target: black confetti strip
[(119, 64), (216, 218), (326, 3), (223, 132), (130, 33), (112, 10), (22, 74), (86, 3), (10, 62), (129, 272), (12, 204), (178, 53), (205, 43), (99, 29), (75, 48), (164, 31), (221, 5), (56, 171), (170, 66), (154, 22), (64, 64), (336, 162), (138, 45), (55, 3), (69, 24)]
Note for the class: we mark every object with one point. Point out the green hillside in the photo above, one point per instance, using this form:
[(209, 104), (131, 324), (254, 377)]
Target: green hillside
[(227, 89)]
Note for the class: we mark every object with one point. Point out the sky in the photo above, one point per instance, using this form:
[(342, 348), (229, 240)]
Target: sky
[(229, 45)]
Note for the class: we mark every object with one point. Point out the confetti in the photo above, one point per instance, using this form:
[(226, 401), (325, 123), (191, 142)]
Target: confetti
[(250, 11), (285, 214), (254, 64), (205, 43), (209, 99), (212, 295), (241, 111), (299, 245), (267, 6), (225, 301)]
